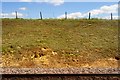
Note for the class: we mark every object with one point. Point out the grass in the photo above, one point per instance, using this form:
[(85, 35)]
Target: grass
[(82, 40)]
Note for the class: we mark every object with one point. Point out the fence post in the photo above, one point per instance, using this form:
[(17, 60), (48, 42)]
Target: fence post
[(41, 15), (111, 17), (89, 15), (16, 14), (65, 15)]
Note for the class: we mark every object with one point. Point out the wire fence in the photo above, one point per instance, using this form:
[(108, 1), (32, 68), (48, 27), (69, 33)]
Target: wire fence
[(65, 16)]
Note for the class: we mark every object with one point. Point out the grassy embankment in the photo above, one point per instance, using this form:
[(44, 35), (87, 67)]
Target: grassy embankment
[(59, 43)]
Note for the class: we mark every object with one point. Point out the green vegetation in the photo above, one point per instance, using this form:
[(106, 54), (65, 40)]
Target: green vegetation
[(92, 39)]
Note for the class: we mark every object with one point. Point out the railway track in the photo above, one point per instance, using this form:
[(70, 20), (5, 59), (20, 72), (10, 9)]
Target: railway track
[(60, 77)]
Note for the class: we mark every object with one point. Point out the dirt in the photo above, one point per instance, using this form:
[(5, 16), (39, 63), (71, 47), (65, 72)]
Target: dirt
[(47, 58)]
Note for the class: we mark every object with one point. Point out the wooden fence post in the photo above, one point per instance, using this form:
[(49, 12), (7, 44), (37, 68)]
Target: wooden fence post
[(111, 17), (16, 14), (65, 15), (41, 15), (89, 15)]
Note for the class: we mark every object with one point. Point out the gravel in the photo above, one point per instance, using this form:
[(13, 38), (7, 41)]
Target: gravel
[(60, 71)]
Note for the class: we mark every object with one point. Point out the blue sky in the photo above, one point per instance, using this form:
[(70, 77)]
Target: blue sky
[(60, 0), (57, 9)]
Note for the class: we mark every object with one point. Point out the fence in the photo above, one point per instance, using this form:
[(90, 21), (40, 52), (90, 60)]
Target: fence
[(66, 15)]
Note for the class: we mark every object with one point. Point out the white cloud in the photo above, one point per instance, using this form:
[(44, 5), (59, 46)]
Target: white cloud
[(95, 12), (22, 8), (115, 17), (25, 0), (71, 15), (69, 0), (112, 8), (105, 10), (56, 2), (11, 15)]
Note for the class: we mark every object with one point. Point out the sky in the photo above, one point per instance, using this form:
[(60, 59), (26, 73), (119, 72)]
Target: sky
[(56, 9), (60, 1)]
